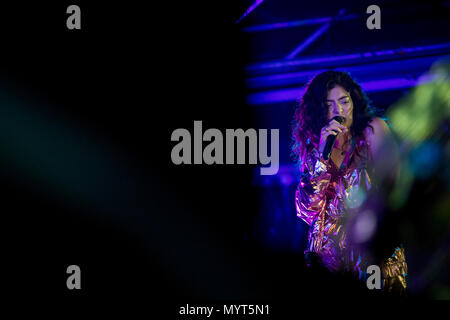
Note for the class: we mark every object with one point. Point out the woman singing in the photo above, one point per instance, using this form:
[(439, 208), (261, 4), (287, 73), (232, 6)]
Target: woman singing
[(330, 188)]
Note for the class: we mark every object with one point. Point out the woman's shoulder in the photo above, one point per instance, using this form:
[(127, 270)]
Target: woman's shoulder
[(376, 126), (376, 131)]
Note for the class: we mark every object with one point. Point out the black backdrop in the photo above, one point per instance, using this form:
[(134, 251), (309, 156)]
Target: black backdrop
[(123, 83)]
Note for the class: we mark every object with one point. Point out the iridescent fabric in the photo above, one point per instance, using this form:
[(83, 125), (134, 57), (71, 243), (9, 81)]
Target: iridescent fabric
[(326, 197)]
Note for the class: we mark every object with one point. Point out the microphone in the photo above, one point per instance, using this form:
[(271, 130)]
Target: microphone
[(331, 139)]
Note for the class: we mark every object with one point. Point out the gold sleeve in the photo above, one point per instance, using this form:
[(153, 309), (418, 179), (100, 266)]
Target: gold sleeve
[(310, 197)]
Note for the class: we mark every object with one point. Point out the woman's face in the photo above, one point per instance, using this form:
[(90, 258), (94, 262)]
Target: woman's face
[(340, 103)]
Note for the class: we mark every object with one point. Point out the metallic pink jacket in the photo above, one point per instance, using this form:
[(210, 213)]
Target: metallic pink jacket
[(326, 197)]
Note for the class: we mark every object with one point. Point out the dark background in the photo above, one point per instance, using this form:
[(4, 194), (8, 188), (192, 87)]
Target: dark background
[(86, 172), (89, 181)]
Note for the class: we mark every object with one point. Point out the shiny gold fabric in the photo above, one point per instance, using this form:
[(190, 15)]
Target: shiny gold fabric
[(326, 196), (394, 270)]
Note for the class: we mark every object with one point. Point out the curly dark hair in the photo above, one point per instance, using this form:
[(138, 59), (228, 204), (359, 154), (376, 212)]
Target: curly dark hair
[(311, 114)]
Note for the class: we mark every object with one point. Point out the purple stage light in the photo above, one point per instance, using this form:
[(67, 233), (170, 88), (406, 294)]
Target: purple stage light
[(441, 48), (296, 23), (300, 62), (305, 44), (250, 9), (288, 24), (286, 95), (388, 84), (362, 72)]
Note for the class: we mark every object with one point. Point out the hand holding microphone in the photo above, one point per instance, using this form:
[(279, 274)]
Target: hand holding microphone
[(328, 135)]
